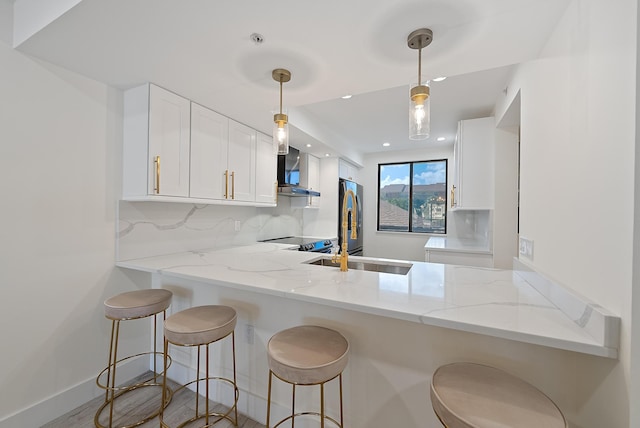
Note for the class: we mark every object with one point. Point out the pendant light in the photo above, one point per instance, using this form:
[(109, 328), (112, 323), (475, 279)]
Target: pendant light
[(420, 104), (280, 120)]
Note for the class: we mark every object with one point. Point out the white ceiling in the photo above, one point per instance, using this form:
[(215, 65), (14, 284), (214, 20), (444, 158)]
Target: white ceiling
[(202, 49)]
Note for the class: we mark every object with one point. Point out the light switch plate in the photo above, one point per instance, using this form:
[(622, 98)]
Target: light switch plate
[(526, 247)]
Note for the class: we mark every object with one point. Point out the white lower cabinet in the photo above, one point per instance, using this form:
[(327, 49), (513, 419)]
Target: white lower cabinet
[(459, 258)]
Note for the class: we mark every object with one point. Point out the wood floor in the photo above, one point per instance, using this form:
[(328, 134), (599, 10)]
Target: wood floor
[(140, 402)]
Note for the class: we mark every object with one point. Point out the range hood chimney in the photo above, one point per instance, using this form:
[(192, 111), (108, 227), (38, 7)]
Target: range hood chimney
[(290, 169)]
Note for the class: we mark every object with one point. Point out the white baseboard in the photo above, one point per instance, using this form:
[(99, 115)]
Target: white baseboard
[(64, 401)]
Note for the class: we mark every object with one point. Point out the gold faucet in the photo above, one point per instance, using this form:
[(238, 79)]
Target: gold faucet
[(344, 255)]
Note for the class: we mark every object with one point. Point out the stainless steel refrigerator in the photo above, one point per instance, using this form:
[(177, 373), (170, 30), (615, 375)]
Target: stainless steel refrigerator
[(354, 246)]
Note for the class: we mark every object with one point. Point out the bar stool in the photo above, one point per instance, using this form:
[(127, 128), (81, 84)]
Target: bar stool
[(200, 326), (129, 306), (477, 396), (307, 355)]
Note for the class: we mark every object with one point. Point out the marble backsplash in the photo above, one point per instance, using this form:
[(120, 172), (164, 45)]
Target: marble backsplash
[(464, 224), (148, 229)]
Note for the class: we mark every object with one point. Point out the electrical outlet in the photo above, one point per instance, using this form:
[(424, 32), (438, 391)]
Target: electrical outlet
[(526, 248), (249, 334), (236, 225)]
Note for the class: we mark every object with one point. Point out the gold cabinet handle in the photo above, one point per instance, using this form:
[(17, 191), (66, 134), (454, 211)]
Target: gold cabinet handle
[(233, 184), (453, 196), (226, 184), (156, 162)]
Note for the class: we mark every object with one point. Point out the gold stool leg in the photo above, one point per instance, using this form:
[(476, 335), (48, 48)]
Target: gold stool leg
[(341, 412), (269, 398), (322, 405), (155, 347), (198, 383), (113, 376), (235, 381), (106, 390), (164, 383), (293, 407), (206, 406)]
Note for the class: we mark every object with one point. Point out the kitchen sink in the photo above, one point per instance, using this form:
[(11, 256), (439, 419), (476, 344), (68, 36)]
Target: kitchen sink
[(368, 265)]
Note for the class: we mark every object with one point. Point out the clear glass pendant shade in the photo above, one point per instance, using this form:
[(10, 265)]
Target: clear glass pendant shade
[(419, 112), (281, 133)]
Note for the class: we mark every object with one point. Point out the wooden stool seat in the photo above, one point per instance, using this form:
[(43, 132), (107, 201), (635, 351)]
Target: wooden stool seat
[(467, 395)]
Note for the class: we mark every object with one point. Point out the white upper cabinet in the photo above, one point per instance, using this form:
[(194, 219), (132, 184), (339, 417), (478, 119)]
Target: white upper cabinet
[(156, 143), (347, 170), (241, 162), (473, 165), (169, 139), (179, 151), (311, 180), (266, 169), (209, 148)]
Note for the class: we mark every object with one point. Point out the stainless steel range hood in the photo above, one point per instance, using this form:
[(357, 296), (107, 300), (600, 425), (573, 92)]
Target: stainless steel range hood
[(290, 169)]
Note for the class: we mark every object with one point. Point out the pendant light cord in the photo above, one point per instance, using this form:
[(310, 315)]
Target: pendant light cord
[(280, 94), (419, 67)]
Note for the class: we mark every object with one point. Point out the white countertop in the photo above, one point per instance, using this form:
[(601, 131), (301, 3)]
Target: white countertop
[(464, 245), (493, 302)]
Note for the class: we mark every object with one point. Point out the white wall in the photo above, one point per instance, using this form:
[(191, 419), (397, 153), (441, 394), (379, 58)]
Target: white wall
[(505, 213), (634, 347), (577, 174), (60, 168)]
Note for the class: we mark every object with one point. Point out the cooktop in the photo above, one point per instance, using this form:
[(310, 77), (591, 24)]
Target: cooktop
[(304, 244)]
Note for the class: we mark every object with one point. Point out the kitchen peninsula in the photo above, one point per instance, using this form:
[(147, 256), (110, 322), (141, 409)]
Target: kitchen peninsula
[(400, 327), (493, 302)]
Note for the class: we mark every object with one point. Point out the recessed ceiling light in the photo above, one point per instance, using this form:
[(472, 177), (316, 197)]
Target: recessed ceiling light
[(308, 145), (439, 79), (386, 144), (346, 97), (327, 154), (440, 139)]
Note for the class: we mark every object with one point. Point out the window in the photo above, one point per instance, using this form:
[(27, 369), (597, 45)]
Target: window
[(412, 196)]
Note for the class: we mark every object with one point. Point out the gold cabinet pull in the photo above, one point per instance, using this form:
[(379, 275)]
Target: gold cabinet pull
[(275, 190), (226, 184), (453, 196), (233, 184), (156, 162)]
